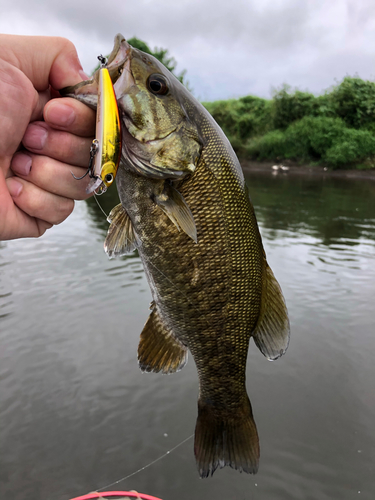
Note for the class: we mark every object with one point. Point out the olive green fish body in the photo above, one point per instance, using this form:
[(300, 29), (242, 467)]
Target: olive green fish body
[(185, 207), (206, 293)]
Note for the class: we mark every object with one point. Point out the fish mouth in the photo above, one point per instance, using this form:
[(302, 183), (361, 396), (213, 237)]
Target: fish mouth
[(118, 64)]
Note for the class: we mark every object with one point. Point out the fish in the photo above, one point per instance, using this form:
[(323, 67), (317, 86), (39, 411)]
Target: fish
[(185, 207)]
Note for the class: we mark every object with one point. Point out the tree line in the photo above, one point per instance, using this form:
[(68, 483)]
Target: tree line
[(336, 129)]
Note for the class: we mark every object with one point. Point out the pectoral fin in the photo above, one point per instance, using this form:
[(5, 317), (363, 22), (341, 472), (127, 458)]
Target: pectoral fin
[(272, 332), (159, 350), (174, 206), (121, 238)]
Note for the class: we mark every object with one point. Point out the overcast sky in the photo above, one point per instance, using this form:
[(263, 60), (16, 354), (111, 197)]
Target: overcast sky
[(229, 48)]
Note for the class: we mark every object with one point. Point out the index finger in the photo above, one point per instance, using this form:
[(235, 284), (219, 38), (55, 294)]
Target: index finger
[(70, 115), (44, 60)]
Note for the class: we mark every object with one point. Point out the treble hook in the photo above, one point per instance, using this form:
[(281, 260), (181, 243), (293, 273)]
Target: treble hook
[(93, 150), (83, 176)]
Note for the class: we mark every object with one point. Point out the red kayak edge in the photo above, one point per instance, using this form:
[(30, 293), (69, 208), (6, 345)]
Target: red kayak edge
[(130, 494)]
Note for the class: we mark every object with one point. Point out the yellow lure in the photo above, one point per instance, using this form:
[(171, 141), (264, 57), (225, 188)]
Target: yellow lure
[(107, 145)]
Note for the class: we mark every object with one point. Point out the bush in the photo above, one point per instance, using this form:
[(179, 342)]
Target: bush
[(289, 107), (269, 146), (336, 128), (352, 147), (310, 138), (255, 116), (353, 100)]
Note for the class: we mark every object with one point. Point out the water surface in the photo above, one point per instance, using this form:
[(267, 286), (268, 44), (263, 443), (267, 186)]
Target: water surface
[(77, 414)]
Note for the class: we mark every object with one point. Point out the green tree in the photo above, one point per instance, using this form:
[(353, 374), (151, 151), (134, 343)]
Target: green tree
[(354, 101)]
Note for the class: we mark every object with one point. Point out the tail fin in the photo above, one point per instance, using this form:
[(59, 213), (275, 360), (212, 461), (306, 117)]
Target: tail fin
[(226, 440)]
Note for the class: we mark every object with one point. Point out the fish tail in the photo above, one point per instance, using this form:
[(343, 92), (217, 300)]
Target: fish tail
[(226, 440)]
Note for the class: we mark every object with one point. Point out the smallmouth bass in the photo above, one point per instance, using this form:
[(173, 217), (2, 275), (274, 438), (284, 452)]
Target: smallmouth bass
[(185, 207)]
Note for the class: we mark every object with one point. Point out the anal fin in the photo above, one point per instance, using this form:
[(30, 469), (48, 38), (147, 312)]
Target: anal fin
[(159, 350), (121, 238), (272, 332)]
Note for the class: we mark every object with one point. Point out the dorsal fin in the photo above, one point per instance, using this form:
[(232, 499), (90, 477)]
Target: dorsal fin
[(271, 334), (174, 206), (159, 350), (121, 238)]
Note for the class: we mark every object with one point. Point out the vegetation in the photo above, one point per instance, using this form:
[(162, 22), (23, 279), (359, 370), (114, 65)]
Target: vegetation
[(336, 129)]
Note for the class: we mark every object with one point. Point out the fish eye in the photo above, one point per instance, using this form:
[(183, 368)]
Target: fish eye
[(157, 84)]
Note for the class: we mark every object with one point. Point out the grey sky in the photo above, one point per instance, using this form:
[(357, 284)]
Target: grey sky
[(230, 48)]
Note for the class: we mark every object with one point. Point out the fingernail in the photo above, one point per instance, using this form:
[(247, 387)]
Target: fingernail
[(59, 114), (14, 186), (35, 136), (21, 164)]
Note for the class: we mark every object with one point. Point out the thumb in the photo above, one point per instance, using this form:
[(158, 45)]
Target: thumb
[(44, 60)]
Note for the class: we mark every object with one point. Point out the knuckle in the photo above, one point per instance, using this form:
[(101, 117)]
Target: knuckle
[(64, 208), (66, 45)]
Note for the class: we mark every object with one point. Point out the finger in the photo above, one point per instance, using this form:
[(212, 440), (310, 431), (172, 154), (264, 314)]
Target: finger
[(63, 146), (38, 203), (70, 115), (51, 175), (44, 60), (40, 100)]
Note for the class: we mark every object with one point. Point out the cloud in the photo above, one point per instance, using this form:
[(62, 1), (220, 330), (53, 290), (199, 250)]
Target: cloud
[(228, 48)]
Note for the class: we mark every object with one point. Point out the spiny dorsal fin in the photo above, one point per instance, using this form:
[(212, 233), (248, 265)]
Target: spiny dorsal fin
[(121, 238), (271, 335), (174, 206), (159, 350)]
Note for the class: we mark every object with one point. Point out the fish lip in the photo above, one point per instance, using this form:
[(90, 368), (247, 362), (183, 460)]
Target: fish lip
[(119, 57)]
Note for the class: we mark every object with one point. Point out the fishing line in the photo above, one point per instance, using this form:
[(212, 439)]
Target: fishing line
[(146, 466), (99, 205)]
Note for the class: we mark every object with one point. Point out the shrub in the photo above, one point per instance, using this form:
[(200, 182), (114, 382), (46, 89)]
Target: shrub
[(311, 137), (289, 107), (354, 101), (352, 147), (269, 146), (336, 128)]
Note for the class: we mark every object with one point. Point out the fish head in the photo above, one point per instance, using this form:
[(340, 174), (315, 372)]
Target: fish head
[(160, 137)]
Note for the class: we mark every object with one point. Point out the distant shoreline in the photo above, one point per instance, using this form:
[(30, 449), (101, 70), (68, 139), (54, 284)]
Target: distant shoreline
[(295, 169)]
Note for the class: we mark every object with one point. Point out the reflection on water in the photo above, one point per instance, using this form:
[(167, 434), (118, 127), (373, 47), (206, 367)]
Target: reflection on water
[(77, 414), (330, 209)]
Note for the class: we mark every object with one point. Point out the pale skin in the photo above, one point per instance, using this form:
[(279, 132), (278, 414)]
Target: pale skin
[(43, 138)]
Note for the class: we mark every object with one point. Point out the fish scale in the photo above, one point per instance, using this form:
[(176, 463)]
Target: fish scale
[(185, 207)]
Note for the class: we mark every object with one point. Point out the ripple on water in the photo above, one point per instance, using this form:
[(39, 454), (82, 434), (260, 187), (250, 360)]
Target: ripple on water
[(76, 411)]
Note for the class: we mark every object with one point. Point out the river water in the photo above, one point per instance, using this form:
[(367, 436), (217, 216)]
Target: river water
[(77, 414)]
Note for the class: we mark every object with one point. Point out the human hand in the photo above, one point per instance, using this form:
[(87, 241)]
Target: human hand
[(37, 189)]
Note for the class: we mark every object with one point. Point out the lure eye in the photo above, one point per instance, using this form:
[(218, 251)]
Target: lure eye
[(158, 84), (108, 173), (108, 178)]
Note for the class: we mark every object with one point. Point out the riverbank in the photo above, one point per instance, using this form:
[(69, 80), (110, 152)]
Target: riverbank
[(266, 167)]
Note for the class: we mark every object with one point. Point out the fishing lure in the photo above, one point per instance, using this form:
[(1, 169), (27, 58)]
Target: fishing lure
[(105, 152)]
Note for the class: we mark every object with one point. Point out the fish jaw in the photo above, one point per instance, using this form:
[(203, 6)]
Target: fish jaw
[(87, 91), (159, 139)]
